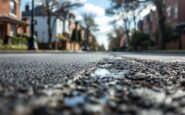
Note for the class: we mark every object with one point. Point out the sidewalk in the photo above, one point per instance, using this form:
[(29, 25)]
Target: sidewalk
[(38, 51)]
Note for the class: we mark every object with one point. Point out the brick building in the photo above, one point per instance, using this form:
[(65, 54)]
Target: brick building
[(175, 11), (175, 17), (149, 25), (11, 22)]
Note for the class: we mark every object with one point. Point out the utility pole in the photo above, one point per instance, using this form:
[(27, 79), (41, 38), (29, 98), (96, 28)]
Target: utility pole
[(32, 42), (179, 22)]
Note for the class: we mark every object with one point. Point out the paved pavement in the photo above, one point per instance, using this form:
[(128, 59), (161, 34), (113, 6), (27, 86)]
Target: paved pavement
[(92, 83)]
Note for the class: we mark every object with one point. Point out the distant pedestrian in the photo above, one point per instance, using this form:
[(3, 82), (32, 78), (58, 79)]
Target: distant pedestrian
[(76, 36)]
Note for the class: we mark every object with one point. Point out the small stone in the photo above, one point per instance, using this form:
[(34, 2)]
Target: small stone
[(41, 111), (139, 76), (112, 104)]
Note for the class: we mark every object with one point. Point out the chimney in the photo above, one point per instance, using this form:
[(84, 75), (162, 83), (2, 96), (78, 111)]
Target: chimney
[(27, 7)]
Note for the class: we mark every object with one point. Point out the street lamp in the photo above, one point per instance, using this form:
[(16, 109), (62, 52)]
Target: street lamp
[(32, 42)]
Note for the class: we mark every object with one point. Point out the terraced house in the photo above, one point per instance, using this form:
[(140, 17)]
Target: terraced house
[(11, 22)]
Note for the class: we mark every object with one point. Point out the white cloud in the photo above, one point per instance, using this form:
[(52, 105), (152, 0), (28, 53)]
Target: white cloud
[(102, 39), (103, 20), (104, 29), (77, 1), (147, 10), (100, 18), (91, 8)]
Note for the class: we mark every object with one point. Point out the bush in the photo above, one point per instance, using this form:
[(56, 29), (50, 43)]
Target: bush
[(140, 41), (19, 40), (1, 40), (171, 34), (13, 47)]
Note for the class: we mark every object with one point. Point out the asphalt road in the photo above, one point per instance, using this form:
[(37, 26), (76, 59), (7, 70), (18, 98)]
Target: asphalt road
[(155, 56), (40, 83), (36, 69)]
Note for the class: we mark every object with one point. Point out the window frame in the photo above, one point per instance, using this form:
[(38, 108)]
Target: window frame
[(13, 7)]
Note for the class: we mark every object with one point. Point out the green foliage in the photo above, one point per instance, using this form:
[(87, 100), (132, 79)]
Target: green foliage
[(114, 44), (89, 22), (129, 11), (171, 34), (1, 40), (115, 38), (19, 40), (140, 41), (13, 47)]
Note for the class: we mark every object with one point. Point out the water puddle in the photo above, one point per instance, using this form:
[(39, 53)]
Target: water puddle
[(74, 101), (105, 65), (83, 99), (101, 73), (105, 73)]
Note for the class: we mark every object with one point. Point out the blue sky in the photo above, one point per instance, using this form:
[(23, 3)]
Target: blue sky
[(103, 3)]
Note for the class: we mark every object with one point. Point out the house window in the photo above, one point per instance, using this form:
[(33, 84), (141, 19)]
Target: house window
[(13, 7), (176, 12), (13, 30), (169, 11), (172, 12)]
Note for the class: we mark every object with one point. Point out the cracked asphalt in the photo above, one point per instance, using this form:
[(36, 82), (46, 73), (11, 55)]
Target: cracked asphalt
[(92, 83)]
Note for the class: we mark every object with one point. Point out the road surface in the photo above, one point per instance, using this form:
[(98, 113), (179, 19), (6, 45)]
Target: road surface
[(92, 83), (166, 56), (36, 69)]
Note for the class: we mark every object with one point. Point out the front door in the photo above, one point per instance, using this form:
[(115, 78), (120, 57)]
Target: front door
[(2, 30)]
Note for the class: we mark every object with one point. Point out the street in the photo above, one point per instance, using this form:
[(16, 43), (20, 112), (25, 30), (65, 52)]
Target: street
[(39, 69), (92, 83)]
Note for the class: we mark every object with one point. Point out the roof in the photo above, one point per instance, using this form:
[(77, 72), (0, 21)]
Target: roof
[(38, 11), (9, 19)]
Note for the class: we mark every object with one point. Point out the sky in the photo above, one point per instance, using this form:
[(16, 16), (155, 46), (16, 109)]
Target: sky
[(96, 7)]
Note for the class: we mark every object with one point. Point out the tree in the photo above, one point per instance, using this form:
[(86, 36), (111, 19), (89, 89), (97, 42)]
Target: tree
[(64, 10), (90, 26), (161, 22), (93, 44), (115, 38), (49, 6), (127, 10), (59, 9), (102, 48), (140, 40), (172, 34), (160, 6)]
